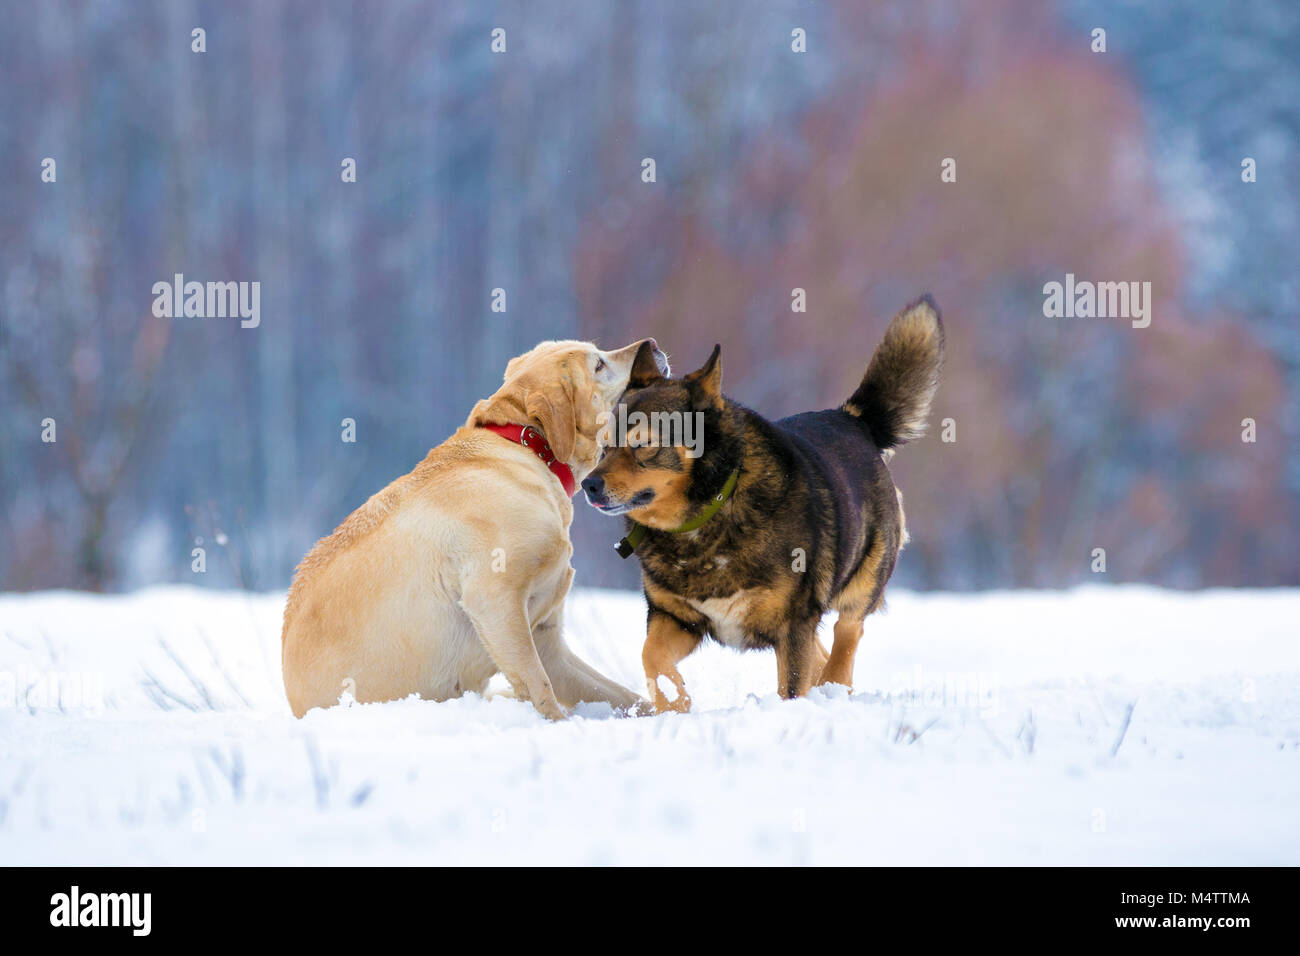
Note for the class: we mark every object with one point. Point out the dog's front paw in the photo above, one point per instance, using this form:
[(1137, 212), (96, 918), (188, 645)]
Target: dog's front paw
[(551, 709), (642, 708), (681, 704)]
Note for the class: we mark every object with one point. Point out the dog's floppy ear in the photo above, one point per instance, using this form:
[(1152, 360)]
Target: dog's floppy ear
[(551, 407), (706, 381), (645, 370)]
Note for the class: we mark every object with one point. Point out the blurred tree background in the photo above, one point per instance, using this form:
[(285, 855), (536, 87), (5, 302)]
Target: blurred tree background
[(522, 170)]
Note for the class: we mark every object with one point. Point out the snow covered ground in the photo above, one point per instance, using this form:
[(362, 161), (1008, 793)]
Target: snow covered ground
[(152, 728)]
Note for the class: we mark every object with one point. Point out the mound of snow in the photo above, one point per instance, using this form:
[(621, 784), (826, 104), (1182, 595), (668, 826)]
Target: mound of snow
[(1103, 725)]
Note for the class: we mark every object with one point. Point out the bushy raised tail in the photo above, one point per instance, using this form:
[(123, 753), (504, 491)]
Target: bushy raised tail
[(894, 398)]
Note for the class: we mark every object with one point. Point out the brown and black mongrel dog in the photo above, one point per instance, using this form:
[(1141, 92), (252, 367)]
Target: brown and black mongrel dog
[(770, 524)]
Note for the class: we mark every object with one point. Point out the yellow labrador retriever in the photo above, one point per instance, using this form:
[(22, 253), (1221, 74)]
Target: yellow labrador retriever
[(459, 570)]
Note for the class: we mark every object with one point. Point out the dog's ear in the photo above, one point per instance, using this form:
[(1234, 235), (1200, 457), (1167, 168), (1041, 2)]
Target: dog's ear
[(706, 381), (645, 370), (551, 407)]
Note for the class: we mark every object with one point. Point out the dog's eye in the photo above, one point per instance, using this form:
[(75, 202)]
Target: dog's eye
[(600, 365)]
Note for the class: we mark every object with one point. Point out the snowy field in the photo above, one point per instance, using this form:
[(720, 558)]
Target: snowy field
[(1097, 726)]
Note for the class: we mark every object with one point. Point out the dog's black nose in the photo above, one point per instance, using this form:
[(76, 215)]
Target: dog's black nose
[(593, 485)]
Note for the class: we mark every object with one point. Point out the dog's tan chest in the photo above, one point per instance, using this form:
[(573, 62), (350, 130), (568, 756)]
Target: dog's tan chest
[(727, 617)]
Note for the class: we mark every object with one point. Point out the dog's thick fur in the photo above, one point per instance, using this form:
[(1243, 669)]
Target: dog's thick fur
[(459, 569), (815, 521)]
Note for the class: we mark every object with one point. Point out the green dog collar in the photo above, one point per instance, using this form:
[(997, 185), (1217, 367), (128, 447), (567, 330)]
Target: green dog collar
[(627, 545)]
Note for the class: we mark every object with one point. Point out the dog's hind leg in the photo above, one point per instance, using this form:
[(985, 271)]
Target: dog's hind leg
[(848, 631), (864, 593)]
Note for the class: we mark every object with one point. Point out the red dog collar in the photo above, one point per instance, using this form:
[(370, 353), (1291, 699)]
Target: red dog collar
[(531, 438)]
